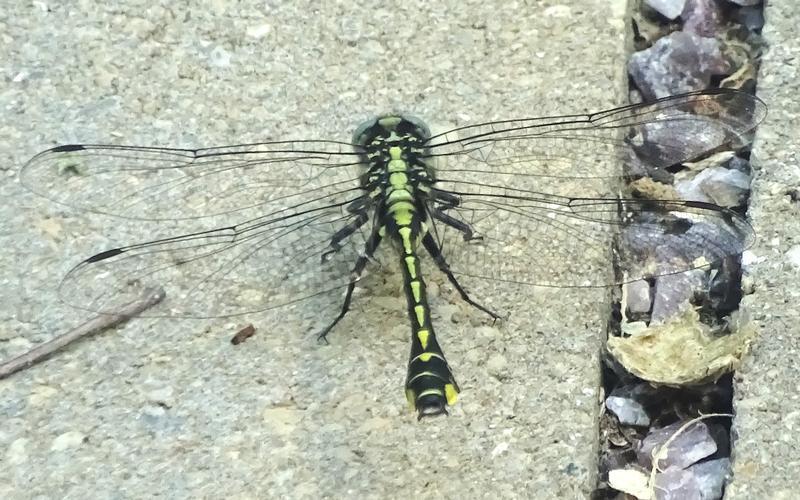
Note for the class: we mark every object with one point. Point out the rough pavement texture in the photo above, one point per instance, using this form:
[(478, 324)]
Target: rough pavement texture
[(766, 460), (170, 407)]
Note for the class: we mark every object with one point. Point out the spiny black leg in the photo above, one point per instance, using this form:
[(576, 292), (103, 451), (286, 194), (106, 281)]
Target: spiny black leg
[(447, 201), (433, 249), (323, 335), (459, 225), (369, 248), (359, 208)]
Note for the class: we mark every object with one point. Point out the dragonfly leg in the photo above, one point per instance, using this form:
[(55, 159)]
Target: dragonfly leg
[(433, 249), (459, 225), (355, 275), (447, 201), (362, 216)]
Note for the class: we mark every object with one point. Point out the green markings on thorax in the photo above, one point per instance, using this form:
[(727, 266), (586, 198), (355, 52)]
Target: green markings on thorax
[(395, 143)]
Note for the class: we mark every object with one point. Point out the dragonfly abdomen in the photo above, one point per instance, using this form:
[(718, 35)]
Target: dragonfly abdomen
[(430, 384)]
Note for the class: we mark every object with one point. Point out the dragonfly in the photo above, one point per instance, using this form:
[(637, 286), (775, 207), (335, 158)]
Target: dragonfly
[(293, 227)]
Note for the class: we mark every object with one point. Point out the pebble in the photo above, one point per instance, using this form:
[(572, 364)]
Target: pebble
[(725, 187), (702, 17), (259, 31), (680, 62), (793, 256), (692, 444), (638, 299), (17, 452), (628, 411), (673, 292), (751, 17), (69, 439), (675, 483), (711, 476), (496, 364), (670, 9)]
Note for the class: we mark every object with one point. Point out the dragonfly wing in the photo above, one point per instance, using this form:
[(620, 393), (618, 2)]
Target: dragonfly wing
[(263, 264), (149, 183), (546, 150), (539, 239)]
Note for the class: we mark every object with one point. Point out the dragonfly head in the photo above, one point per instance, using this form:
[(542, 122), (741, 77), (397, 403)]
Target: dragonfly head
[(392, 129)]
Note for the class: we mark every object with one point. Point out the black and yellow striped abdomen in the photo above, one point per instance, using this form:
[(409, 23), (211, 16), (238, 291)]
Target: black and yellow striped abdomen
[(400, 183)]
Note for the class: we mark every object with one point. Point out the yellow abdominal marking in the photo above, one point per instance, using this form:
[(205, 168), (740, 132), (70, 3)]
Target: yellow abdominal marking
[(405, 234), (412, 269), (451, 393), (411, 398), (415, 290), (423, 335), (420, 311)]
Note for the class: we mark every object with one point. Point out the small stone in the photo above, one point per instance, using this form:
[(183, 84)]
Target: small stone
[(628, 411), (702, 17), (710, 477), (673, 292), (637, 295), (69, 439), (751, 17), (670, 9), (219, 57), (632, 482), (677, 484), (793, 256), (692, 444), (680, 62), (258, 31), (499, 449), (667, 142), (496, 364), (17, 452), (154, 411), (725, 187), (615, 458)]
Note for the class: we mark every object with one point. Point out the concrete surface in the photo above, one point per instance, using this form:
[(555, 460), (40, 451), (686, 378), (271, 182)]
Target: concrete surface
[(170, 408), (766, 458)]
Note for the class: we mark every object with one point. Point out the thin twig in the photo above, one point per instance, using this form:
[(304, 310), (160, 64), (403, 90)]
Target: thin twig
[(149, 298)]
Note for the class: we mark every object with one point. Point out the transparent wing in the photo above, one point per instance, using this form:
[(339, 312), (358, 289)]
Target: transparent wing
[(545, 240), (542, 192), (542, 151), (150, 183), (283, 202), (270, 262)]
